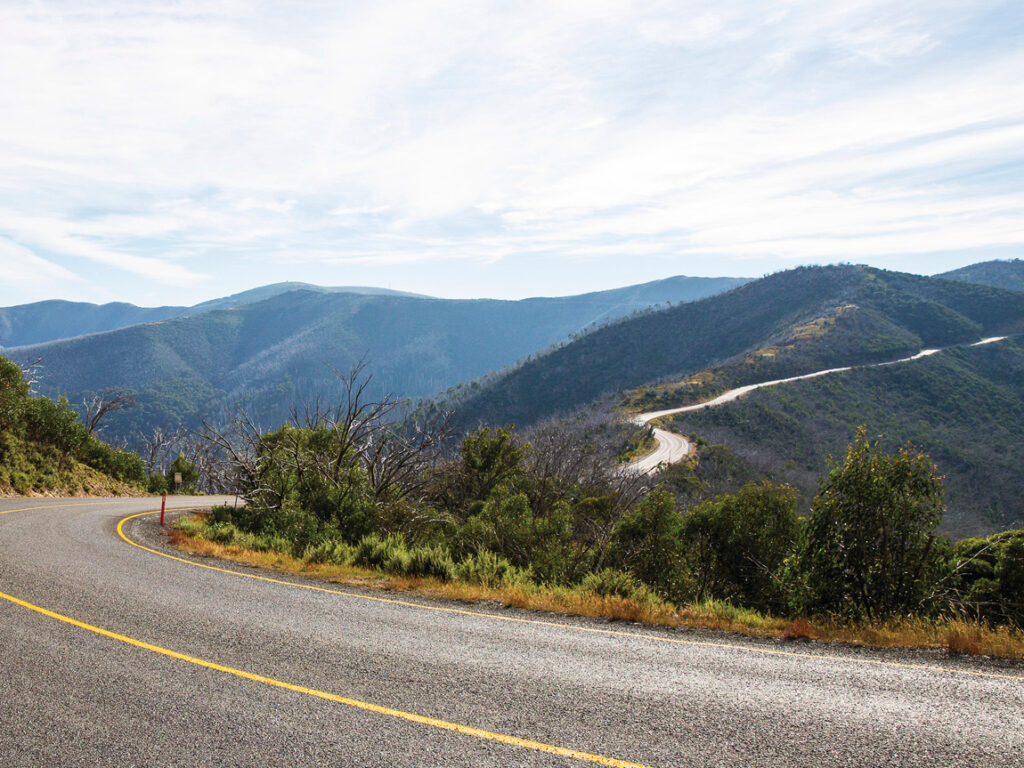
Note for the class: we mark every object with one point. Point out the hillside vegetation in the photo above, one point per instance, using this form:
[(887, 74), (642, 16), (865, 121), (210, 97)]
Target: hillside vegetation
[(999, 274), (964, 407), (552, 523), (786, 324), (276, 352), (45, 448)]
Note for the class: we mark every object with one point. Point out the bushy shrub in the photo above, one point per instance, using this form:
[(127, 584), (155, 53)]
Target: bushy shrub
[(373, 552), (397, 562), (609, 582), (648, 544), (189, 475), (435, 561), (490, 570), (157, 482), (328, 551), (221, 533), (868, 549), (735, 545)]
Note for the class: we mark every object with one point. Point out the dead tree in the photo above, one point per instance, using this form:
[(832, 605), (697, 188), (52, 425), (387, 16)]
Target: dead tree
[(156, 446), (102, 405)]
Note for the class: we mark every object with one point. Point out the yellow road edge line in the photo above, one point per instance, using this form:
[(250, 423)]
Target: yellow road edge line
[(433, 722), (539, 622), (83, 504)]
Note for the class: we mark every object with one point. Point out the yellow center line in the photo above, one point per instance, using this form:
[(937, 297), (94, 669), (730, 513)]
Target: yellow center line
[(574, 627), (411, 717)]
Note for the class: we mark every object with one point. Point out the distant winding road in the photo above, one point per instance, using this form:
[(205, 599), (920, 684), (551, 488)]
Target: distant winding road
[(116, 650), (671, 447)]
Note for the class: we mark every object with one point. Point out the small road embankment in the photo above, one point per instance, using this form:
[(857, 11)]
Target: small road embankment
[(671, 447)]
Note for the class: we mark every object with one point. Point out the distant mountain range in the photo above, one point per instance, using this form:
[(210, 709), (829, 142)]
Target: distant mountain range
[(274, 347), (52, 320), (643, 347)]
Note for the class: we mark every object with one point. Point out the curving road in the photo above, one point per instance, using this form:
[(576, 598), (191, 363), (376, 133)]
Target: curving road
[(671, 447), (116, 655)]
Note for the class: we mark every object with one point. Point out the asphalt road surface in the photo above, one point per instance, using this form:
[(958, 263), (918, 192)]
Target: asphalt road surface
[(114, 655)]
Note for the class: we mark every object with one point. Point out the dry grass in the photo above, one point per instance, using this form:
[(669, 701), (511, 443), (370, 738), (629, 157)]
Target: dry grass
[(955, 636)]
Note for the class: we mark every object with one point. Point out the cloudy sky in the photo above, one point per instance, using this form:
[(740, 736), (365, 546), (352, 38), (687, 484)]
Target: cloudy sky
[(167, 153)]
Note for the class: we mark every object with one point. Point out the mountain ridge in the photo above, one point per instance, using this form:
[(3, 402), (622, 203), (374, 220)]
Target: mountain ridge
[(276, 351), (902, 313)]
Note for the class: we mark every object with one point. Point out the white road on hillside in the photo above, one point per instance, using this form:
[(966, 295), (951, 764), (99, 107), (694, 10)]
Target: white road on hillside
[(671, 447)]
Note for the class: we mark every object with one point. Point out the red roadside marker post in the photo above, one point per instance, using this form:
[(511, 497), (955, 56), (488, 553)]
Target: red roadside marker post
[(163, 504)]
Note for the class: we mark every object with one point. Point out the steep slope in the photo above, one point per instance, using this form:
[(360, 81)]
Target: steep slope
[(275, 352), (963, 406), (785, 324), (999, 274), (46, 449)]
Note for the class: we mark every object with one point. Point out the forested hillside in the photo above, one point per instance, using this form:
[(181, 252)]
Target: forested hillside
[(964, 407), (273, 353), (999, 274), (789, 323)]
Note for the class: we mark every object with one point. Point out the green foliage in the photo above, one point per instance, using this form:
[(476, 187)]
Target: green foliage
[(648, 544), (504, 512), (487, 459), (13, 395), (506, 524), (990, 576), (490, 570), (157, 482), (964, 407), (42, 441), (330, 551), (189, 475), (735, 545), (609, 582), (869, 549), (293, 477)]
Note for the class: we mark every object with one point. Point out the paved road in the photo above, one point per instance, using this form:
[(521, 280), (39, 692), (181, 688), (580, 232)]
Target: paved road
[(671, 447), (165, 685)]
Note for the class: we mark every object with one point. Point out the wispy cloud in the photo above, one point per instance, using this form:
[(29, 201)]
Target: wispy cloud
[(23, 269), (179, 144)]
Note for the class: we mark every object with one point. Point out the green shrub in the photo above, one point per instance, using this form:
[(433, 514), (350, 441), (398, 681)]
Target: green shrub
[(491, 570), (157, 483), (868, 550), (220, 533), (433, 561), (398, 562), (189, 475), (190, 525), (374, 552), (328, 551), (610, 582)]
